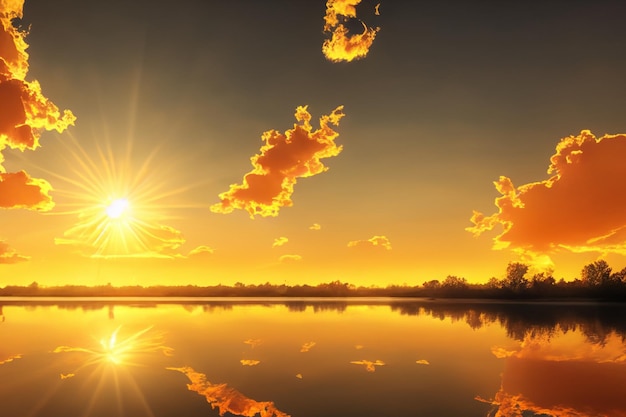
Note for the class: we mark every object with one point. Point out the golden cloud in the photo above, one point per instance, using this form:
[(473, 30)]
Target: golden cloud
[(369, 365), (10, 359), (580, 208), (290, 258), (249, 362), (315, 226), (279, 241), (67, 376), (282, 160), (299, 376), (8, 255), (25, 111), (422, 362), (343, 46), (253, 342), (307, 346), (227, 399), (201, 250), (375, 241)]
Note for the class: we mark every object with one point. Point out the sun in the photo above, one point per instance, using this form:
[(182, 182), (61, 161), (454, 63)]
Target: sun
[(118, 208)]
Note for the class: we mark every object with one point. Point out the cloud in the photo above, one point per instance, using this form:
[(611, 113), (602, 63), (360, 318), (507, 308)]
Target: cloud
[(249, 362), (343, 46), (369, 365), (299, 376), (253, 342), (501, 353), (580, 208), (200, 251), (282, 160), (25, 113), (376, 241), (279, 241), (67, 376), (10, 359), (8, 255), (227, 399), (19, 190), (315, 226), (290, 258), (307, 346), (422, 362)]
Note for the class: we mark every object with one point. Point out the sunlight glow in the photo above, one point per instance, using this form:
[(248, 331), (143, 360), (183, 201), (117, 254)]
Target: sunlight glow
[(118, 208), (108, 225), (116, 351)]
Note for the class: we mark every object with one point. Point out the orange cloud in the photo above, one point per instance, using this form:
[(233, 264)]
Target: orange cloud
[(580, 208), (25, 112), (562, 373), (227, 399), (299, 376), (10, 359), (279, 241), (282, 160), (290, 258), (377, 241), (249, 362), (8, 255), (253, 342), (315, 226), (201, 250), (343, 46), (307, 346), (369, 365), (422, 362), (67, 376)]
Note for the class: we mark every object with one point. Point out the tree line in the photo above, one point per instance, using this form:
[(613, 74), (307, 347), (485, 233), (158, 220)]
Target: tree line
[(597, 281)]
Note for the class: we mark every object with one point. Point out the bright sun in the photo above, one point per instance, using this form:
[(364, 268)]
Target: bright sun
[(118, 208)]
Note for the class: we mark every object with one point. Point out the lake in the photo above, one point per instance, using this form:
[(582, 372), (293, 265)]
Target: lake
[(310, 357)]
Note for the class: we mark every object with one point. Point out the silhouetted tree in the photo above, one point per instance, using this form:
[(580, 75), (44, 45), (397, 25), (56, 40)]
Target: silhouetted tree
[(454, 282), (515, 277), (596, 274)]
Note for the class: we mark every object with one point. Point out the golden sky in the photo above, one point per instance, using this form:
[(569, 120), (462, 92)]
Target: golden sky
[(342, 140)]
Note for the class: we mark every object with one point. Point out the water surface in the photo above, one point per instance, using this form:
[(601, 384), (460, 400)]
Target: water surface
[(310, 357)]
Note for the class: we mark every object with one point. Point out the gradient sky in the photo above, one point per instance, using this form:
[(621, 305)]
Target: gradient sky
[(172, 100)]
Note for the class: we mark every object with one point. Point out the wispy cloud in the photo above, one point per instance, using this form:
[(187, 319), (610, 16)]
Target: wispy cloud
[(227, 399), (307, 346), (369, 365), (375, 241), (279, 241), (253, 342), (342, 45), (201, 251), (580, 208), (10, 359), (315, 226), (290, 258), (8, 255), (283, 159), (250, 362), (422, 362)]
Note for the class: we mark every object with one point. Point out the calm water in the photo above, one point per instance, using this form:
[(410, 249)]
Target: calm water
[(305, 358)]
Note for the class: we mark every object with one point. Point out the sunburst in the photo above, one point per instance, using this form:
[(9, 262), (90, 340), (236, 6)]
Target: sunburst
[(121, 205)]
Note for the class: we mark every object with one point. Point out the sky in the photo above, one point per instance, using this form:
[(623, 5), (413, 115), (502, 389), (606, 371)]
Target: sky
[(301, 142)]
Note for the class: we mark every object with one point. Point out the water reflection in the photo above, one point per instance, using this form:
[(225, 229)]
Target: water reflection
[(297, 358)]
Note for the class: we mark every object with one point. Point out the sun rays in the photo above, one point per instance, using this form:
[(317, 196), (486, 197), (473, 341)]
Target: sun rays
[(121, 202), (115, 350)]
